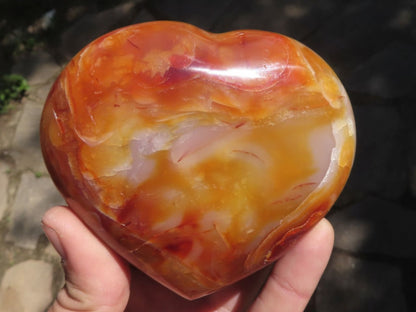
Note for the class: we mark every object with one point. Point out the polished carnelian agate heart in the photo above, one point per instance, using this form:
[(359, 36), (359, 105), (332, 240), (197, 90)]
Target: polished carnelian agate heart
[(198, 157)]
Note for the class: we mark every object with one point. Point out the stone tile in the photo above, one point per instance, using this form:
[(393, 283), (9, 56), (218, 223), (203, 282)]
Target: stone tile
[(26, 287), (8, 124), (143, 16), (40, 92), (38, 68), (375, 226), (26, 142), (296, 18), (408, 114), (27, 130), (34, 196), (403, 17), (4, 183), (389, 73), (350, 284), (91, 26), (51, 253), (380, 166), (356, 32), (203, 13)]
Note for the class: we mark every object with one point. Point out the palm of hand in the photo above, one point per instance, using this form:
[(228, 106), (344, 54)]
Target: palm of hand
[(110, 285)]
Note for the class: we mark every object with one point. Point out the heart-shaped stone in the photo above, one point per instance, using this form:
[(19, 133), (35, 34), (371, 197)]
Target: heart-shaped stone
[(198, 157)]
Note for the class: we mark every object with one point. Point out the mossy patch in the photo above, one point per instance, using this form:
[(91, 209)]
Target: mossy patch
[(12, 87)]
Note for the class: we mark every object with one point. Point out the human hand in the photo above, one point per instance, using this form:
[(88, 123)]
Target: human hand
[(98, 280)]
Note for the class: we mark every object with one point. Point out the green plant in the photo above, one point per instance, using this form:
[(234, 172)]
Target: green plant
[(38, 174), (12, 87)]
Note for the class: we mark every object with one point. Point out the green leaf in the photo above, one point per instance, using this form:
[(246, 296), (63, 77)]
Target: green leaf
[(12, 87)]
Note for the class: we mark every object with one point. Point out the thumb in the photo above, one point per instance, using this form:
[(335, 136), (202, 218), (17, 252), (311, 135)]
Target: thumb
[(96, 279)]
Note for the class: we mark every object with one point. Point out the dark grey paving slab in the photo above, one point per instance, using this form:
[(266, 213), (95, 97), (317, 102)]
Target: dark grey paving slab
[(376, 227), (296, 19), (142, 16), (408, 112), (390, 72), (360, 30), (203, 13), (91, 26), (355, 285), (380, 166)]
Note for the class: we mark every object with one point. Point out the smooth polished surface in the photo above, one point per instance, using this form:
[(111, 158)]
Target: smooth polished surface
[(199, 157)]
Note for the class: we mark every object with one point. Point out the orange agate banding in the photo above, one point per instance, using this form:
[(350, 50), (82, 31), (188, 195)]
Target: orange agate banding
[(198, 157)]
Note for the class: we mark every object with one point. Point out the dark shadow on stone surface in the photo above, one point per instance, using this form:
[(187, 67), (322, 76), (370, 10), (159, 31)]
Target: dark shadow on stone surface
[(389, 73), (297, 19), (361, 30), (380, 166), (93, 25), (353, 284), (374, 260), (203, 13), (370, 227)]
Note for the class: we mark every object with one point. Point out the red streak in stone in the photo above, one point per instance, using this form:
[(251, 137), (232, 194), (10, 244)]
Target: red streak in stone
[(304, 185), (133, 44), (250, 154), (181, 249), (240, 124), (286, 199)]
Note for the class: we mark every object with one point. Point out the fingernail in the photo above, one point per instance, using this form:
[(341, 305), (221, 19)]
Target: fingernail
[(54, 239)]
